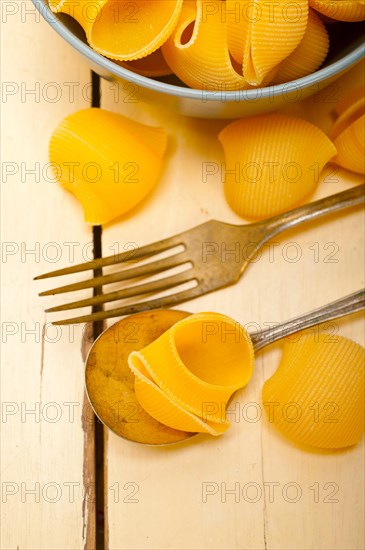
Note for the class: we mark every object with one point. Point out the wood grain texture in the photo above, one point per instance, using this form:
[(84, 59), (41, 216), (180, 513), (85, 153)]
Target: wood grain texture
[(46, 455), (250, 488), (110, 382)]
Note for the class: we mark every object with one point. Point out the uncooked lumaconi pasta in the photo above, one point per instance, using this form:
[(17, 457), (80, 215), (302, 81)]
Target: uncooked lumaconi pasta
[(272, 163), (110, 163), (122, 29), (185, 378), (209, 34), (348, 133), (316, 396), (263, 34), (340, 10), (197, 50), (308, 55), (153, 65), (215, 45)]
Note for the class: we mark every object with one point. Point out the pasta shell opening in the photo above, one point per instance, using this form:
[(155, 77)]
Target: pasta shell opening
[(198, 52), (265, 46), (186, 377), (205, 345), (238, 17), (215, 45), (131, 30)]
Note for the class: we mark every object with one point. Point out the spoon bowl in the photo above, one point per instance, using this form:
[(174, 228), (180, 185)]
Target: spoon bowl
[(110, 382)]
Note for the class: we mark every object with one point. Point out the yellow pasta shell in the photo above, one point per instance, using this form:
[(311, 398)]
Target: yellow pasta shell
[(316, 396), (197, 51), (261, 35), (121, 29), (350, 146), (275, 29), (170, 412), (308, 55), (272, 163), (110, 163), (340, 10), (185, 378)]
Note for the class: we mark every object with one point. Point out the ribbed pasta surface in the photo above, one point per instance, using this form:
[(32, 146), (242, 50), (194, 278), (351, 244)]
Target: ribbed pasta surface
[(275, 29), (316, 396), (272, 163), (215, 45), (308, 56), (186, 377), (348, 132), (110, 163)]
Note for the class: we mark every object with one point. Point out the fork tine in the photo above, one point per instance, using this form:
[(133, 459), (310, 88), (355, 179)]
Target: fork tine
[(132, 273), (158, 303), (136, 290), (129, 255)]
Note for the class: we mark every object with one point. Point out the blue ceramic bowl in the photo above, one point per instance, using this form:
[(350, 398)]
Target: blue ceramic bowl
[(347, 48)]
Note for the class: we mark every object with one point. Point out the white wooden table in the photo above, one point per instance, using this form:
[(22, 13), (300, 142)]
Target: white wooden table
[(249, 489)]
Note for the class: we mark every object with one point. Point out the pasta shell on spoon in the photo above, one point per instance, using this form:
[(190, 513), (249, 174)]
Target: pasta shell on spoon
[(185, 378)]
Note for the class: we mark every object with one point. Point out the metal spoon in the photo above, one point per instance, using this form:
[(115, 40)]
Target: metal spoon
[(110, 382)]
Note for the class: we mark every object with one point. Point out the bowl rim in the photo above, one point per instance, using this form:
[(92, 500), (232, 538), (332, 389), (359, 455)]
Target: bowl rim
[(335, 68)]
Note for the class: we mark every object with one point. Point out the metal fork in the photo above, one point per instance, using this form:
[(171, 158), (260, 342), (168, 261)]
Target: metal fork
[(217, 254)]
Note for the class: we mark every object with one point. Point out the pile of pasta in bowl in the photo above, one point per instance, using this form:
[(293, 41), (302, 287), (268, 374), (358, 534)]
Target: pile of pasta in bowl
[(213, 44)]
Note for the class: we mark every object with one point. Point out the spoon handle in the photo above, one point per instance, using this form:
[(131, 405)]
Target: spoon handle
[(349, 304)]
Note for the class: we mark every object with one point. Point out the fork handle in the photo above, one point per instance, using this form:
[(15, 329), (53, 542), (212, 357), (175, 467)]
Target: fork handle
[(349, 304), (313, 210)]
